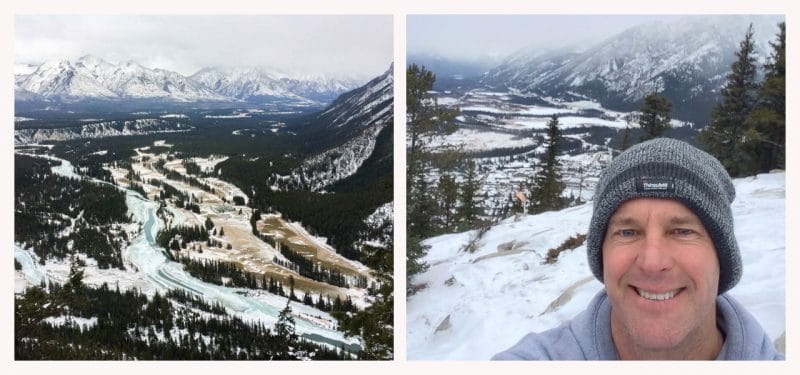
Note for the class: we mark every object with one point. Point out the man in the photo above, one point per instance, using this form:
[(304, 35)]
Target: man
[(661, 240)]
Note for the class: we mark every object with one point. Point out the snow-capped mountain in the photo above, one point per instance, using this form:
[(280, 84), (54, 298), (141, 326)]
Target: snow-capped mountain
[(685, 60), (92, 78), (255, 84), (352, 124)]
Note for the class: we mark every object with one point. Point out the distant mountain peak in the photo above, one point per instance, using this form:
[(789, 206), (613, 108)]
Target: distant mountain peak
[(252, 83)]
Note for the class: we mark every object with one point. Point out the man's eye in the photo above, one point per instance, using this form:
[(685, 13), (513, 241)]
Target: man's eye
[(683, 231), (627, 232)]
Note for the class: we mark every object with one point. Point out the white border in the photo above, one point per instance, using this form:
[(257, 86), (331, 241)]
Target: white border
[(400, 9)]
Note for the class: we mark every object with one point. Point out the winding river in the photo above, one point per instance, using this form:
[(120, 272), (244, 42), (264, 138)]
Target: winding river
[(151, 264)]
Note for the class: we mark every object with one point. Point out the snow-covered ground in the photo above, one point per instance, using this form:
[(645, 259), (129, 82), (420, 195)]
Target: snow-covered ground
[(479, 140), (501, 110), (236, 115), (477, 304)]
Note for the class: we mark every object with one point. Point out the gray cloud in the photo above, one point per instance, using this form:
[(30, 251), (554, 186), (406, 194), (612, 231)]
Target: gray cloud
[(330, 44), (475, 37)]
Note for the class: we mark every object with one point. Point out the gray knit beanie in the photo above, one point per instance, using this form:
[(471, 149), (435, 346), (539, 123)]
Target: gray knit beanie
[(668, 168)]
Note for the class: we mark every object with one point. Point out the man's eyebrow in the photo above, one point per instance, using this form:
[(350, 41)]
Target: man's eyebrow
[(621, 221), (684, 220)]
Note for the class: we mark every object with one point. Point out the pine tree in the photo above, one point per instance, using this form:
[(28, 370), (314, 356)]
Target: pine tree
[(209, 223), (292, 296), (415, 251), (626, 135), (547, 183), (470, 210), (254, 218), (655, 116), (375, 324), (73, 292), (766, 124), (725, 135), (447, 192), (424, 118), (285, 330), (423, 114), (422, 209)]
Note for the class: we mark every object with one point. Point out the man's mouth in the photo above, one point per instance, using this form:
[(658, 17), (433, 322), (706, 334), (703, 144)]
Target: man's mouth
[(657, 296)]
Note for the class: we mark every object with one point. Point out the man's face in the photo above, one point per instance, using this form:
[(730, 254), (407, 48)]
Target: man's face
[(661, 273)]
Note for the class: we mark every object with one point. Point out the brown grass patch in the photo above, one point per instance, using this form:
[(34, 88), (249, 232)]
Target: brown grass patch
[(570, 244)]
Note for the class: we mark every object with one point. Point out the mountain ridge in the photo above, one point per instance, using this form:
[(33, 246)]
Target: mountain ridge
[(346, 133), (253, 83), (90, 78), (686, 60)]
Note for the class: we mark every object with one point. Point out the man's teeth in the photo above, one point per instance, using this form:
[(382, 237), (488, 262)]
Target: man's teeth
[(656, 296)]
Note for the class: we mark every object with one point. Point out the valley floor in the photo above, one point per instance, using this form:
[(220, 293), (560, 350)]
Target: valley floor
[(148, 270), (250, 252)]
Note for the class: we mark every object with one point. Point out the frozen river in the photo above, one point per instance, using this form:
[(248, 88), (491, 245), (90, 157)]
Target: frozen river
[(149, 263)]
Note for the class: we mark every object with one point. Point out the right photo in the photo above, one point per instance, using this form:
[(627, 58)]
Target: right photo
[(595, 187)]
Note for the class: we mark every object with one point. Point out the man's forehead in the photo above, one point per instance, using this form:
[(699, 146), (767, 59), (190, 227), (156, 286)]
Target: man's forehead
[(637, 209)]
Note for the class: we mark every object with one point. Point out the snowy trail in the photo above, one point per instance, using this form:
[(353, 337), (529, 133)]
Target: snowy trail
[(152, 265)]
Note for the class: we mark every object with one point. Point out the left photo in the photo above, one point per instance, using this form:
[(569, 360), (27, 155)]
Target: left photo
[(203, 187)]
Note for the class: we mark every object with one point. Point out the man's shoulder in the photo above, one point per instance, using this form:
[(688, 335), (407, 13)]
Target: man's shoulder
[(556, 343), (575, 339), (745, 339)]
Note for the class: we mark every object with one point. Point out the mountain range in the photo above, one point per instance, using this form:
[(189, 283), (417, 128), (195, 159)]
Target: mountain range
[(685, 60), (90, 78), (255, 84)]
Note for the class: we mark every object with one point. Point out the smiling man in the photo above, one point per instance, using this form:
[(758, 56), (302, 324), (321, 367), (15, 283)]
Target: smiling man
[(661, 240)]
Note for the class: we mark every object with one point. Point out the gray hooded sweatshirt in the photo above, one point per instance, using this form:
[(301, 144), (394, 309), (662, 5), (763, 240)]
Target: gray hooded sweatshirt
[(588, 336)]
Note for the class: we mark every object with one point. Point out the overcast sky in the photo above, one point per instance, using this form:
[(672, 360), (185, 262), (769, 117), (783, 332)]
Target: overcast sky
[(474, 37), (330, 44)]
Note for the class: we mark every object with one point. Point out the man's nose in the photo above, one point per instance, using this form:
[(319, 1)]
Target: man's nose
[(654, 255)]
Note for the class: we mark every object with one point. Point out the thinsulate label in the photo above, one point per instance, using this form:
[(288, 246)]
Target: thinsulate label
[(647, 184)]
